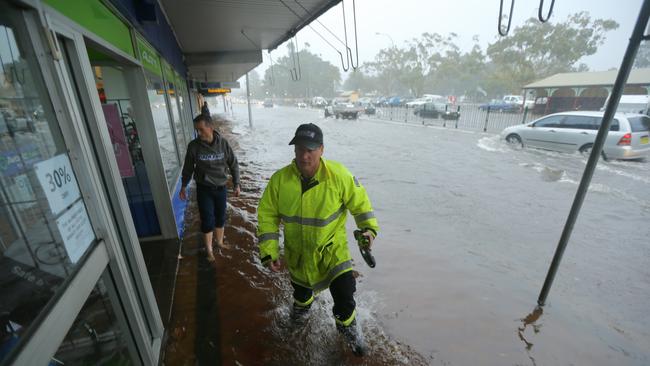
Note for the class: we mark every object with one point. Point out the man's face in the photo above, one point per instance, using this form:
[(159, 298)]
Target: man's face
[(205, 132), (308, 160)]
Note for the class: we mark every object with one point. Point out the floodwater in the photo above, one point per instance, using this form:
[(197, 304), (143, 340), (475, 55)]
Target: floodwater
[(468, 230)]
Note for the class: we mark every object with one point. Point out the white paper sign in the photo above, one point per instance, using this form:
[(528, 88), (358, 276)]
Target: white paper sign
[(58, 182), (74, 227)]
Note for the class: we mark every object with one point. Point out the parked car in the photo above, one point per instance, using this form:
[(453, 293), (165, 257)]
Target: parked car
[(369, 109), (519, 100), (425, 99), (268, 103), (301, 105), (437, 110), (394, 102), (497, 105), (632, 104), (628, 137)]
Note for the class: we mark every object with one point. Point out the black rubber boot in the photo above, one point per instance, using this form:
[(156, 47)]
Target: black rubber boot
[(353, 338), (299, 314)]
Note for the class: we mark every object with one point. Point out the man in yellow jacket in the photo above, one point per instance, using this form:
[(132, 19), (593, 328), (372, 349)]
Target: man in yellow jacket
[(311, 197)]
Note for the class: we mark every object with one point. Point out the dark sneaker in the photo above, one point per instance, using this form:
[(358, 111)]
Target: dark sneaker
[(299, 315), (353, 338)]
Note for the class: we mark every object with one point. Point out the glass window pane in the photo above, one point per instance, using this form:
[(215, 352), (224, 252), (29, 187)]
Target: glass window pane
[(639, 124), (123, 130), (178, 122), (156, 93), (44, 226), (95, 337), (549, 122)]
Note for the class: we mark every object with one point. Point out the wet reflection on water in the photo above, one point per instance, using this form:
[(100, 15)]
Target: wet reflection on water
[(530, 321)]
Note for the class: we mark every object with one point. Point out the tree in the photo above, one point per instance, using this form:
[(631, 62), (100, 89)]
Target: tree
[(255, 84), (301, 75), (537, 50), (359, 81), (642, 56)]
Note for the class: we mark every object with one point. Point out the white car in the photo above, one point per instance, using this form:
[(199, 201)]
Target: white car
[(628, 136), (519, 100), (427, 98)]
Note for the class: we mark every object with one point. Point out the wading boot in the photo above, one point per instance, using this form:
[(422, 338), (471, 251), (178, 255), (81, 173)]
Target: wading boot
[(353, 338), (299, 315)]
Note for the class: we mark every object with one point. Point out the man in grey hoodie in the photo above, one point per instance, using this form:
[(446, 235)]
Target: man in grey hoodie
[(207, 158)]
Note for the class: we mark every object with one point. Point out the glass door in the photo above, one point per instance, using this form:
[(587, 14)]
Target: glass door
[(50, 244), (79, 75)]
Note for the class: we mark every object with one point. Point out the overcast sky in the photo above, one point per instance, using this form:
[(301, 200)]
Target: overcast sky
[(402, 20)]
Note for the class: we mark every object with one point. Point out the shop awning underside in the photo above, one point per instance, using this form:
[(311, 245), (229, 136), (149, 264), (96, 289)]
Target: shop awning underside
[(222, 40)]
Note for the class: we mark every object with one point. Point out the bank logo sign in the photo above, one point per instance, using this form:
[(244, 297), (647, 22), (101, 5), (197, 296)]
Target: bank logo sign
[(148, 56)]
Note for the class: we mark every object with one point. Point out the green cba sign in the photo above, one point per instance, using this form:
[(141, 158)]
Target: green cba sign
[(148, 56)]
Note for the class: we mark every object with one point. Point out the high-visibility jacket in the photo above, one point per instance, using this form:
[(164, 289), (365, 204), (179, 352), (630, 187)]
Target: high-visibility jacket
[(315, 242)]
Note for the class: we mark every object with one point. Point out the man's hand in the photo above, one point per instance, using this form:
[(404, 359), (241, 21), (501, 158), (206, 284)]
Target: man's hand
[(275, 265), (369, 236), (237, 190), (182, 194)]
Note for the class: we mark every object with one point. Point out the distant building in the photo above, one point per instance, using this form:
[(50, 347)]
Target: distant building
[(583, 90)]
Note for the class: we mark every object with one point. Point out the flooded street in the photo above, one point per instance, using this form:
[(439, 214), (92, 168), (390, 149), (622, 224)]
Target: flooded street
[(468, 230)]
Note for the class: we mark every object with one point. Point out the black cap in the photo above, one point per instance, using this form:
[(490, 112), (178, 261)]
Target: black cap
[(308, 135)]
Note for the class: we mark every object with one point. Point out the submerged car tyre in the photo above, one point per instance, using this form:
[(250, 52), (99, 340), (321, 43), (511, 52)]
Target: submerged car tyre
[(514, 141), (585, 150)]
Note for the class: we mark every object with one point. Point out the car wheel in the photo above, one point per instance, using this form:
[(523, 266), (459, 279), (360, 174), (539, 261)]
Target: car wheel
[(585, 150), (514, 141)]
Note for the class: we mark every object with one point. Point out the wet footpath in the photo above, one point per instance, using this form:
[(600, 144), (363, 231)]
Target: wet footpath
[(468, 228), (235, 312)]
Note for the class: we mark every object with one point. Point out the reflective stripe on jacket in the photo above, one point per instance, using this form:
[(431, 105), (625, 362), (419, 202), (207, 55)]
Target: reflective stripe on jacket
[(315, 242)]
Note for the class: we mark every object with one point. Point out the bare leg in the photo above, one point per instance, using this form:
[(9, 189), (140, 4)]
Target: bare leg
[(220, 243), (207, 237)]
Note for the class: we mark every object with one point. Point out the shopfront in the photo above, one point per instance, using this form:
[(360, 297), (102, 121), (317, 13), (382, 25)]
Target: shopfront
[(93, 128)]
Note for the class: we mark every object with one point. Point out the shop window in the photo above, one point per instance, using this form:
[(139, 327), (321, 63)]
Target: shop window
[(123, 130), (178, 121), (158, 105), (45, 231)]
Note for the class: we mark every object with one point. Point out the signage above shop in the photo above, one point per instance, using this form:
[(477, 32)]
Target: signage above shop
[(219, 84), (148, 56), (217, 91)]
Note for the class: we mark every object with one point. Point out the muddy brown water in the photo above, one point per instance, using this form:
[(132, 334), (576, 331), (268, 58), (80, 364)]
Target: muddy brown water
[(468, 229)]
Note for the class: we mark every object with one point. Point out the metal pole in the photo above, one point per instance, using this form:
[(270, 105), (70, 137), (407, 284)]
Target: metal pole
[(621, 78), (486, 119), (223, 99), (444, 121), (523, 119), (248, 101)]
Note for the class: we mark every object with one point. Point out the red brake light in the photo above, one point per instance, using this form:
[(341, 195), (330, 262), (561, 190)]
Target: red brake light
[(626, 139)]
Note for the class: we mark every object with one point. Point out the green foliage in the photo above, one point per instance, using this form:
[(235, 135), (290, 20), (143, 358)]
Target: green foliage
[(317, 77), (433, 63), (643, 55), (536, 50)]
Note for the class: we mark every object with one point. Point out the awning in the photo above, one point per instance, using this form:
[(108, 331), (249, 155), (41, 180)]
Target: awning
[(223, 39)]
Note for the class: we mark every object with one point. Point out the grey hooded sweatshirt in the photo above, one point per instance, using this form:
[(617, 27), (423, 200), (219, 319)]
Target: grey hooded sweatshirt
[(208, 162)]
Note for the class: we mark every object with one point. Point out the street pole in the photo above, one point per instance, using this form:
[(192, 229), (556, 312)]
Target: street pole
[(621, 79), (248, 101)]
